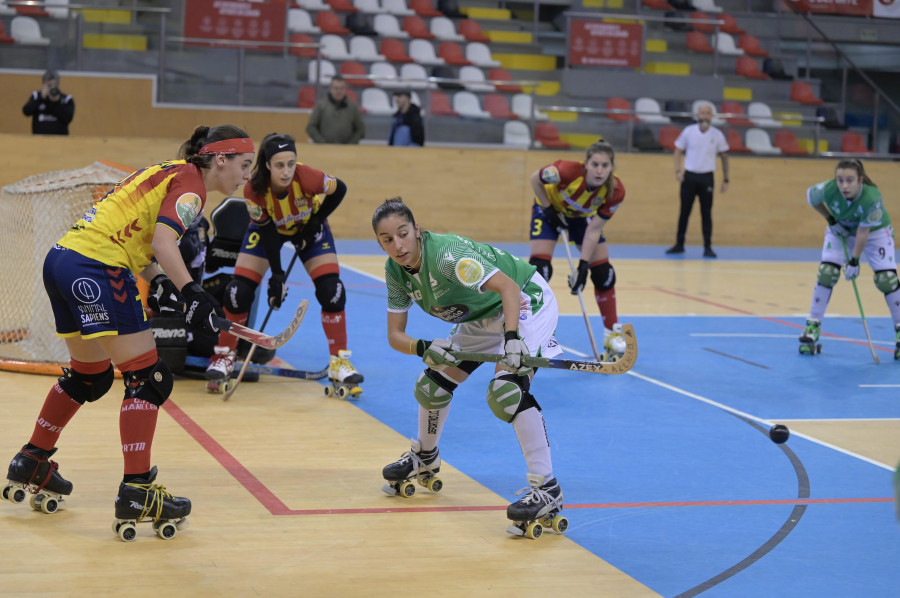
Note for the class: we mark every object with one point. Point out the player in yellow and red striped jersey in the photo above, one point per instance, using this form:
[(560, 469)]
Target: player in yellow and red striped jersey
[(90, 279)]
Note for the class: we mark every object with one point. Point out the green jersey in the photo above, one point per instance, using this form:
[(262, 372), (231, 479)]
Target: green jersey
[(448, 283), (865, 210)]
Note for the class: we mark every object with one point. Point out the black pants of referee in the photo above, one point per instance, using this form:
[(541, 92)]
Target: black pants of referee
[(696, 184)]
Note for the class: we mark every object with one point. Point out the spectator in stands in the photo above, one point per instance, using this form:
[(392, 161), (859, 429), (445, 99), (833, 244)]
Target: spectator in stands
[(50, 110), (407, 127), (336, 118), (699, 143)]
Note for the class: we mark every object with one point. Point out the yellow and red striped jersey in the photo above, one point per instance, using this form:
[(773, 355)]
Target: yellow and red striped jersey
[(118, 230), (293, 209), (564, 182)]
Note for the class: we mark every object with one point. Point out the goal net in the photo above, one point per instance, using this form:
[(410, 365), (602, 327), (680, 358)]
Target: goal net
[(34, 214)]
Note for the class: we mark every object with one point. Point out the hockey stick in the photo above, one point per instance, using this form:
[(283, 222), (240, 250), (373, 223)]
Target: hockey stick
[(233, 386), (258, 368), (587, 322), (625, 363), (258, 338), (859, 303)]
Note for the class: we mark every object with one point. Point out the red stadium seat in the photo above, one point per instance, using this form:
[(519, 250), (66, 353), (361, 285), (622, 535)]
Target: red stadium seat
[(750, 45), (735, 108), (440, 104), (306, 97), (803, 93), (342, 6), (735, 143), (501, 74), (667, 137), (356, 74), (497, 105), (698, 42), (416, 27), (471, 30), (452, 53), (4, 38), (730, 26), (548, 135), (853, 143), (424, 8), (747, 67), (619, 104), (330, 22), (302, 38), (394, 50), (703, 27), (31, 11), (786, 141), (657, 4)]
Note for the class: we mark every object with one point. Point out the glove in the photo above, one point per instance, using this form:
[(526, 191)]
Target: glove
[(277, 290), (438, 354), (837, 228), (514, 349), (578, 279), (164, 295), (556, 220), (851, 270), (309, 233), (200, 309)]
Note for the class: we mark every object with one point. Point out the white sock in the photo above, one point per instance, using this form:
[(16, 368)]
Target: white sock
[(431, 425), (893, 302), (532, 434), (821, 297)]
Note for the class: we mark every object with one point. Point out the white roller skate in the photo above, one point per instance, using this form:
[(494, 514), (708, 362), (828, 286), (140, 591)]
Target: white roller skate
[(539, 508), (897, 349), (142, 500), (809, 340), (344, 378), (614, 342), (219, 370), (413, 465), (32, 472)]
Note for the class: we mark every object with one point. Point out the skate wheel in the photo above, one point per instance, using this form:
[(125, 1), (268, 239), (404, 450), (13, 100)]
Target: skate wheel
[(127, 532), (818, 348), (166, 530), (355, 391), (560, 524), (534, 530), (329, 390), (182, 524), (17, 495), (343, 392), (6, 490), (49, 505), (213, 387), (227, 385), (407, 489), (35, 501), (434, 484)]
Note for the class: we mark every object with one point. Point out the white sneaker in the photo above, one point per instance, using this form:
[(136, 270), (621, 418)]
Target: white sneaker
[(341, 370), (614, 341), (221, 364)]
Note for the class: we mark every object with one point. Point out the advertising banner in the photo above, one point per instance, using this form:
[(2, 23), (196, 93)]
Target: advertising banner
[(235, 20), (601, 43)]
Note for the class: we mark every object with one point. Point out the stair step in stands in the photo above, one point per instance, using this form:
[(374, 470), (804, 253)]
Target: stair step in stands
[(667, 68), (526, 62)]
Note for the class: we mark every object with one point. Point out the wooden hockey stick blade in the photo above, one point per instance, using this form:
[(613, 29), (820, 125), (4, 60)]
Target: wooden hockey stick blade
[(625, 363), (258, 338)]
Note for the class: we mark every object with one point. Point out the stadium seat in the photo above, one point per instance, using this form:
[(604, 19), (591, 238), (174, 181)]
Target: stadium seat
[(498, 107), (619, 104), (667, 137), (739, 120), (415, 76), (698, 42), (649, 111), (708, 6), (334, 47), (730, 25), (473, 78), (315, 5), (328, 71), (480, 54), (342, 6), (501, 74), (31, 11), (443, 28), (758, 142), (387, 26), (58, 9), (702, 27), (747, 67), (422, 52), (356, 74), (4, 38), (657, 4), (397, 7), (416, 27), (306, 97), (726, 45), (548, 136), (6, 11), (522, 106), (854, 143), (775, 69), (761, 115), (786, 141), (440, 104), (452, 53), (449, 81), (302, 38), (27, 31), (471, 30), (376, 101), (516, 134), (363, 48), (299, 21), (394, 50), (424, 8), (735, 143), (386, 75), (330, 22), (466, 104), (750, 45), (368, 6), (803, 93)]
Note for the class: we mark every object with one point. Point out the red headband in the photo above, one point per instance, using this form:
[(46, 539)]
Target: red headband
[(229, 146)]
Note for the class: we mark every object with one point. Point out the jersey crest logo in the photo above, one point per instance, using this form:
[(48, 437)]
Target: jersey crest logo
[(187, 207), (256, 212), (550, 175), (469, 271)]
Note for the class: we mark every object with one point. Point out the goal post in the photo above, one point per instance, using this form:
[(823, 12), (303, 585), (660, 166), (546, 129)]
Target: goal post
[(34, 214)]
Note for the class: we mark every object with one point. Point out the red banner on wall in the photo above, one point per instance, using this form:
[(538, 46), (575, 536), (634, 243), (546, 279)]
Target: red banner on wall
[(835, 7), (236, 20), (597, 43)]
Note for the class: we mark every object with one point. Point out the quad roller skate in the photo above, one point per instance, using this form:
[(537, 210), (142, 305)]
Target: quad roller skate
[(142, 500), (809, 340), (539, 508), (32, 472), (219, 370), (414, 464), (344, 378), (897, 349), (614, 343)]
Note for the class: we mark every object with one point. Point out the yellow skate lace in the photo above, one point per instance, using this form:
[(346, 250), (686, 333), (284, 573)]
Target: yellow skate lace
[(158, 492)]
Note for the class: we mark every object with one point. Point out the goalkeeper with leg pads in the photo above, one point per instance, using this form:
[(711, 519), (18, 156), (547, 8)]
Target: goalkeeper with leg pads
[(90, 278), (853, 207), (497, 304)]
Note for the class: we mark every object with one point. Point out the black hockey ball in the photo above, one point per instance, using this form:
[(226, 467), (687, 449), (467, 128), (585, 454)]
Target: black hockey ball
[(779, 433)]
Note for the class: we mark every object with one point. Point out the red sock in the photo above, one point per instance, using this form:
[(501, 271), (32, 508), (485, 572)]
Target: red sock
[(335, 327), (230, 340), (606, 301), (137, 421), (59, 408)]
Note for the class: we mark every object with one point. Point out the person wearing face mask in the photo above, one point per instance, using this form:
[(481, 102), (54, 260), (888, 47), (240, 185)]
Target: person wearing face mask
[(857, 220), (699, 143), (50, 110)]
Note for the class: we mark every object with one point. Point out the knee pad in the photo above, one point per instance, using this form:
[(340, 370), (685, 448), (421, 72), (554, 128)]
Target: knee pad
[(239, 295), (829, 274), (508, 395), (433, 391), (86, 388), (330, 292), (544, 266), (603, 276), (152, 384), (886, 281)]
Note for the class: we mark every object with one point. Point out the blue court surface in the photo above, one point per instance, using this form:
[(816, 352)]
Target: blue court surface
[(668, 471)]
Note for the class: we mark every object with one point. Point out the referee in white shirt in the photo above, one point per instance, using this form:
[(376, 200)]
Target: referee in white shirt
[(699, 144)]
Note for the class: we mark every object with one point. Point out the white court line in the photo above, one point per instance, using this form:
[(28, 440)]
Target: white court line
[(879, 385), (840, 339)]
